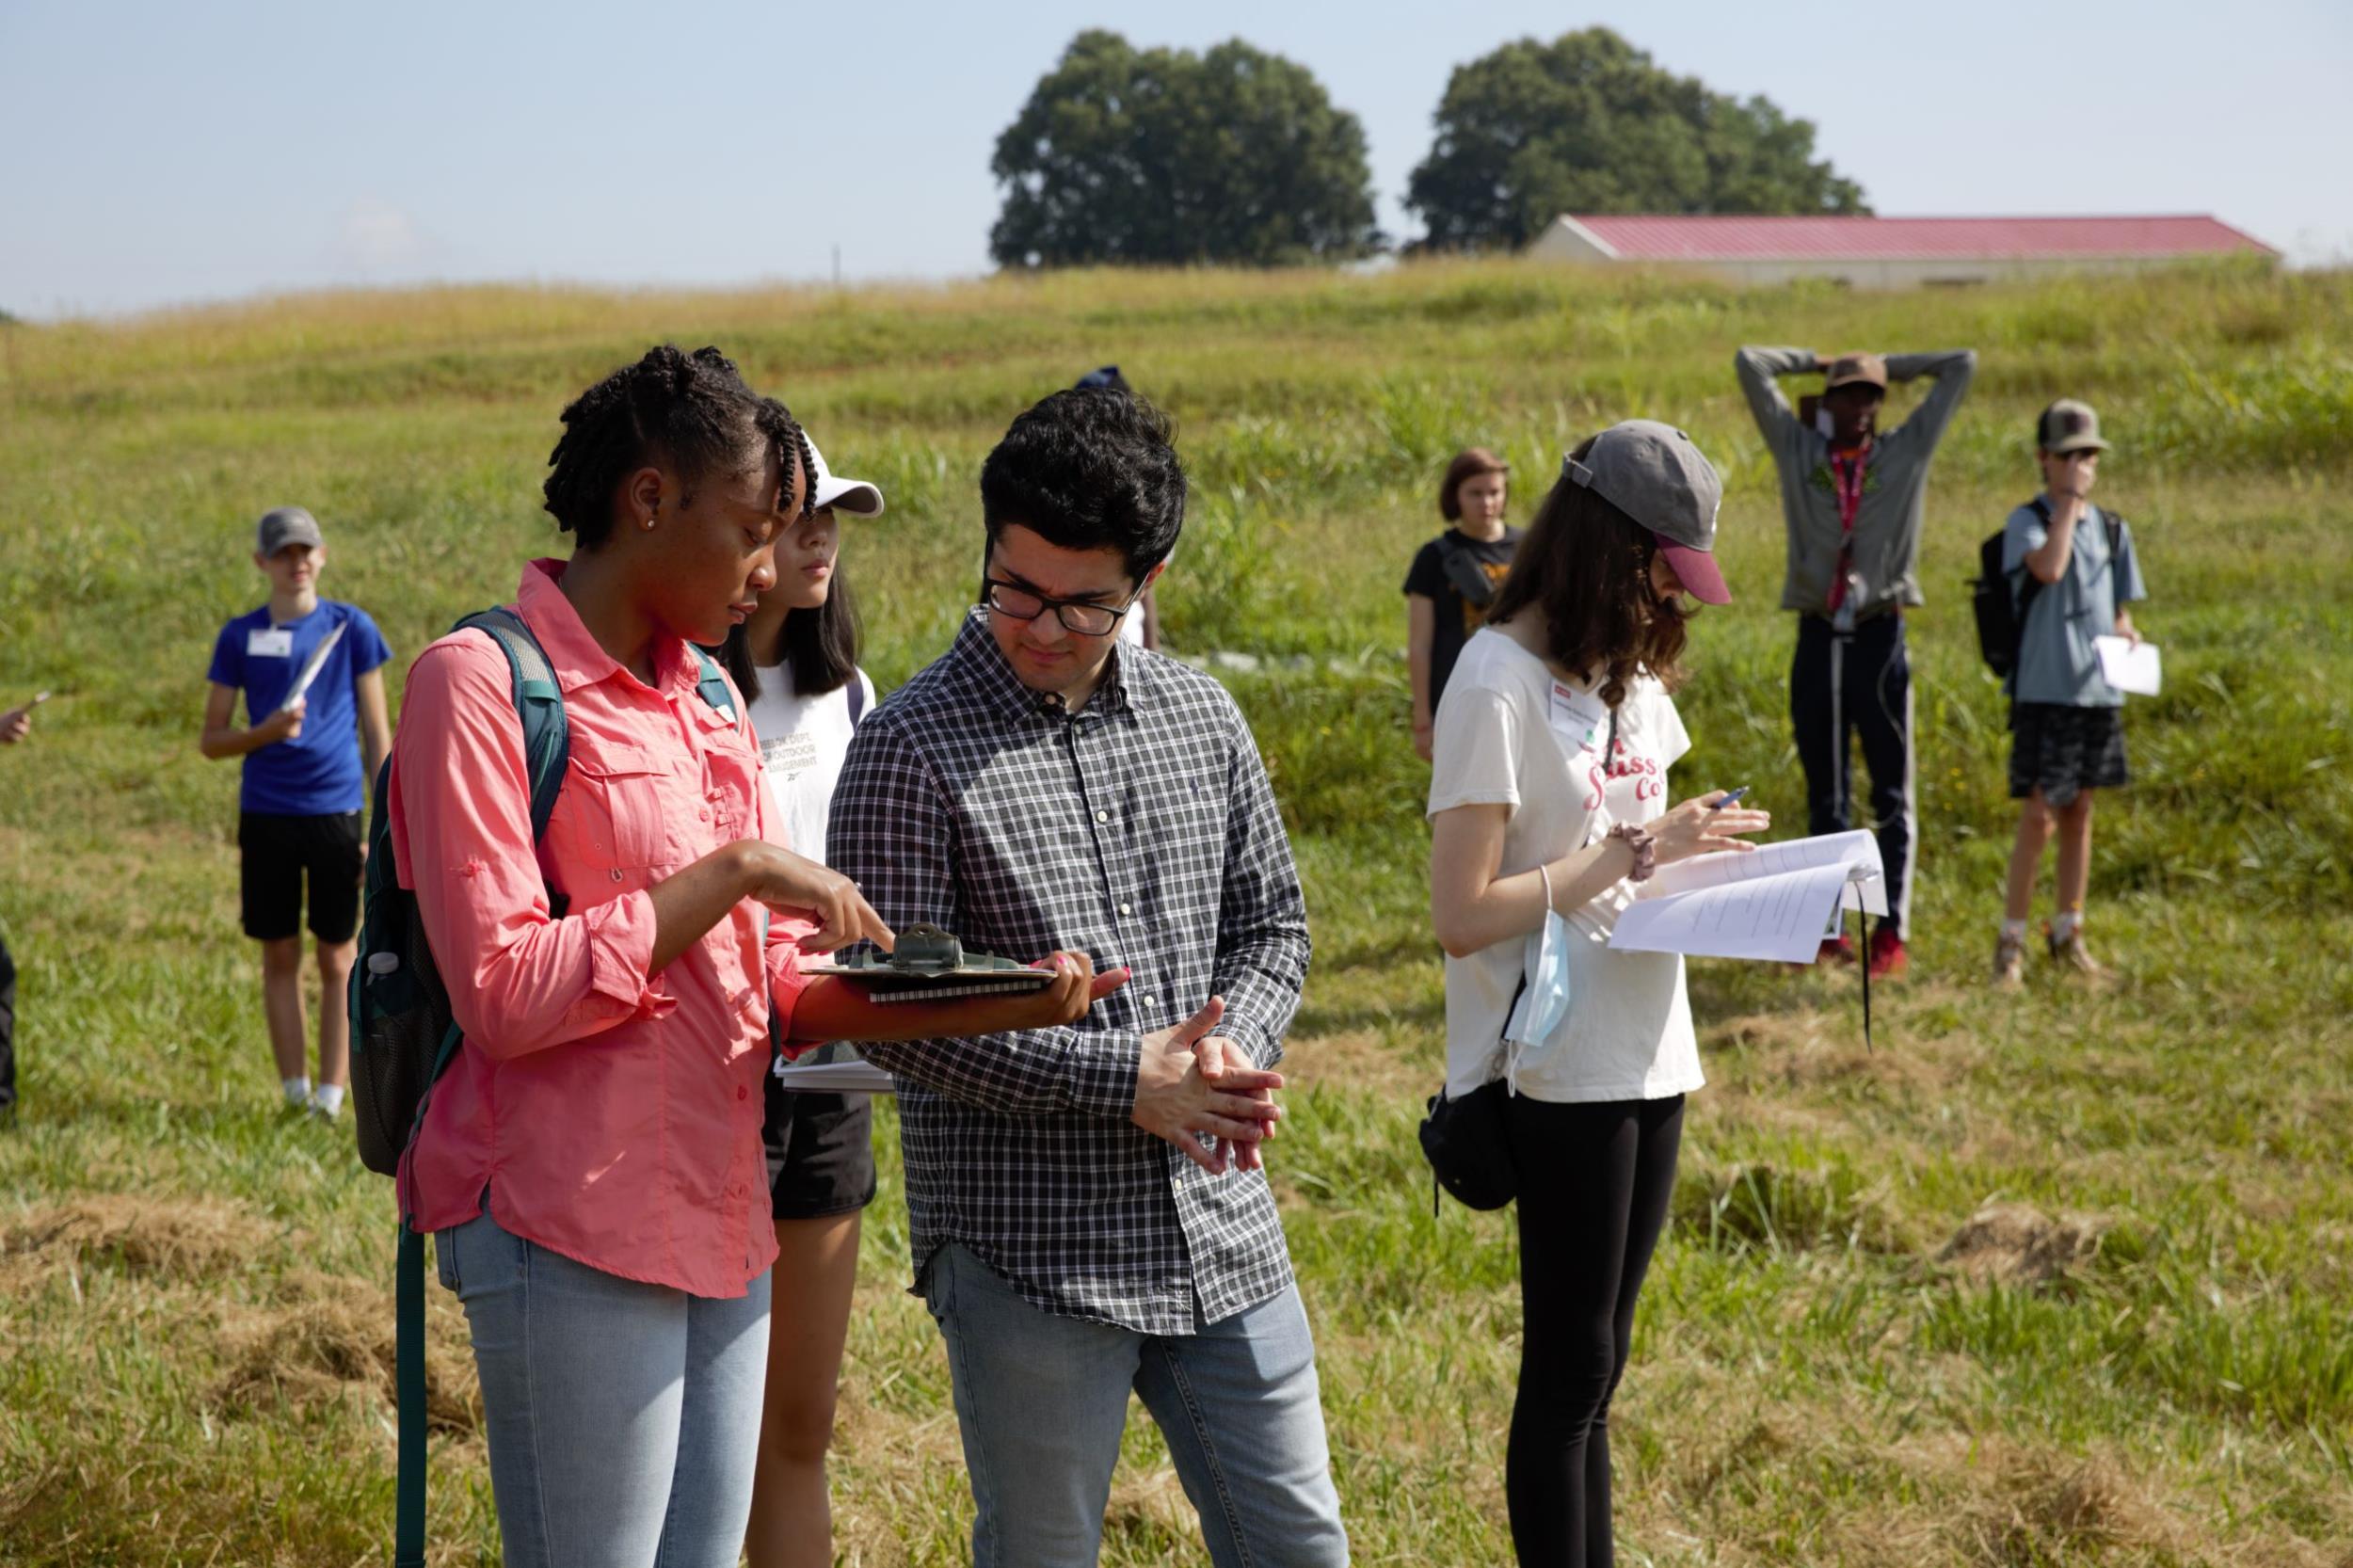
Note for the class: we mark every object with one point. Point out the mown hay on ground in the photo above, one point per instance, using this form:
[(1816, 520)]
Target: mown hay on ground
[(170, 1239), (327, 1336), (2014, 1243)]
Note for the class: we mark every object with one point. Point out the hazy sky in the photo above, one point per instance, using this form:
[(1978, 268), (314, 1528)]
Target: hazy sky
[(157, 154)]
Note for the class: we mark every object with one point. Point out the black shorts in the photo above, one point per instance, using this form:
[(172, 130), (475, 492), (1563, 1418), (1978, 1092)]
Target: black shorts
[(2063, 751), (275, 854), (821, 1152)]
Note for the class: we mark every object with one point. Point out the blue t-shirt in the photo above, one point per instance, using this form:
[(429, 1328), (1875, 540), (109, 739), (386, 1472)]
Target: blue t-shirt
[(316, 774), (2055, 660)]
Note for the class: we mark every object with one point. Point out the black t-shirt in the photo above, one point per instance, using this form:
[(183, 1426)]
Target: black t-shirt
[(1457, 617)]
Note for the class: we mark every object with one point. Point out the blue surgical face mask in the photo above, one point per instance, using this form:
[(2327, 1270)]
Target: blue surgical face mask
[(1544, 1002)]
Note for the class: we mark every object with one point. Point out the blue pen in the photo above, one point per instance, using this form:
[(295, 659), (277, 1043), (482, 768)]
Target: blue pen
[(1732, 799)]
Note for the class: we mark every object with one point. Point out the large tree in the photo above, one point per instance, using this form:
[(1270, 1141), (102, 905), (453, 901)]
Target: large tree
[(1169, 157), (1588, 123)]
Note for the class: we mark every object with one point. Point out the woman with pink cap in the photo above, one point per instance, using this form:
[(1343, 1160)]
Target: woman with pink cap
[(1549, 802)]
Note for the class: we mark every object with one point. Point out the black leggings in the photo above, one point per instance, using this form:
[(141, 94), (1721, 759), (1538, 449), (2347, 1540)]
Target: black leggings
[(1594, 1183)]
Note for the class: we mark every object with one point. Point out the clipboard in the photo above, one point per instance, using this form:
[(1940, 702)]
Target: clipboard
[(930, 965)]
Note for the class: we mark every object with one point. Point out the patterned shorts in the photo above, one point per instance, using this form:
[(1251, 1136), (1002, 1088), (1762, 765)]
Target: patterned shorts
[(2063, 750)]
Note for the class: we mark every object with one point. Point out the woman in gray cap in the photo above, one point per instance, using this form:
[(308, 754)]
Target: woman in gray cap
[(1549, 804)]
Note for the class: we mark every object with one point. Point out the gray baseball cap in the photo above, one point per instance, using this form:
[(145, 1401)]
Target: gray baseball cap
[(1655, 475), (286, 525)]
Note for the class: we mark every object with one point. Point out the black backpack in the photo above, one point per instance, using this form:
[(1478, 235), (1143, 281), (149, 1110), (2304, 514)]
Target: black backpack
[(404, 1033), (2001, 619)]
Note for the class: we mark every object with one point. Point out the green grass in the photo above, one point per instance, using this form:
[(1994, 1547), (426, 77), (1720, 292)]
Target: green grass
[(2053, 1278)]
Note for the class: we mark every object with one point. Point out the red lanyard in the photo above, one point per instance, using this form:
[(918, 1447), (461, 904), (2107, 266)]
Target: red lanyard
[(1846, 481)]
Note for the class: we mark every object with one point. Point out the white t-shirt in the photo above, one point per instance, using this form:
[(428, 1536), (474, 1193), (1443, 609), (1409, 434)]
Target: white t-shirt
[(1509, 733), (802, 743)]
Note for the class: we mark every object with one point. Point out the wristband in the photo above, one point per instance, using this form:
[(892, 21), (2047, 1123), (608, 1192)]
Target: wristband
[(1644, 845)]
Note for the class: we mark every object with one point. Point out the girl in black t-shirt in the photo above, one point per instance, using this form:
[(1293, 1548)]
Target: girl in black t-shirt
[(1454, 577)]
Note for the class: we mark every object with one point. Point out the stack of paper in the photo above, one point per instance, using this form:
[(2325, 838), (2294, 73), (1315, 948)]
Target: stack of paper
[(1775, 902), (834, 1069)]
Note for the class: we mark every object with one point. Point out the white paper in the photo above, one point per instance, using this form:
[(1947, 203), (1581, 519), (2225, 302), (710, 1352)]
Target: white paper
[(310, 668), (2128, 666), (1778, 916), (1777, 902), (1850, 849)]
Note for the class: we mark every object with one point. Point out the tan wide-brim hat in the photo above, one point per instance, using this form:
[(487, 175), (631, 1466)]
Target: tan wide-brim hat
[(1856, 370)]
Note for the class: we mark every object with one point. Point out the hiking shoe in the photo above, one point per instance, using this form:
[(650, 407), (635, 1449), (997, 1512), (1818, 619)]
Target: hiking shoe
[(1887, 952), (2073, 953), (2009, 961), (1836, 950)]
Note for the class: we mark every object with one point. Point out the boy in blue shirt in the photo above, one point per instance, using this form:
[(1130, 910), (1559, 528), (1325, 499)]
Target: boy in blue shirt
[(2067, 724), (304, 786)]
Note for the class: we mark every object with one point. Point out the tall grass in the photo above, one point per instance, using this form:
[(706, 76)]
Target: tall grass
[(2053, 1278)]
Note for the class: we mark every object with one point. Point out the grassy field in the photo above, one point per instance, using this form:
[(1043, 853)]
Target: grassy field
[(2059, 1277)]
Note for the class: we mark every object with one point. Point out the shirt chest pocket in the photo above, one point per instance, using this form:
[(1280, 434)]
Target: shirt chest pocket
[(619, 816), (731, 771)]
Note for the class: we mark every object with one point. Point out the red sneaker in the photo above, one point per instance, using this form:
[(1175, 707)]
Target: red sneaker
[(1837, 950), (1887, 952)]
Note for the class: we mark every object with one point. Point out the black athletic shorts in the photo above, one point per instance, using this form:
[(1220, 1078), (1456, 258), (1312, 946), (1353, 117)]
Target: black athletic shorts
[(276, 853), (2063, 750), (821, 1152)]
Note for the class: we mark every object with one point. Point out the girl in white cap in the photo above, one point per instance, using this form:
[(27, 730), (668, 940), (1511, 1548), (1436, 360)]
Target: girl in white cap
[(1548, 802), (795, 662)]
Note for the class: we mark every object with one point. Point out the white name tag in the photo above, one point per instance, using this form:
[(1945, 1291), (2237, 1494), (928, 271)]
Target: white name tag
[(276, 643), (1580, 720)]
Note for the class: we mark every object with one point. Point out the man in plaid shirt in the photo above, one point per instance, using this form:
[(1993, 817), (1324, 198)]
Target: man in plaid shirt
[(1089, 1213)]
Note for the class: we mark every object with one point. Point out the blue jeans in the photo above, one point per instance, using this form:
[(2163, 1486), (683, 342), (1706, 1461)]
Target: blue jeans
[(623, 1418), (1042, 1401)]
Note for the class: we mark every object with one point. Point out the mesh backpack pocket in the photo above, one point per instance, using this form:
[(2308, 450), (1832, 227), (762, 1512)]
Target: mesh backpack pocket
[(403, 1031)]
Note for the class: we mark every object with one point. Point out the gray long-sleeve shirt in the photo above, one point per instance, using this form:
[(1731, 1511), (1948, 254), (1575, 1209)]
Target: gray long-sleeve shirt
[(1896, 475)]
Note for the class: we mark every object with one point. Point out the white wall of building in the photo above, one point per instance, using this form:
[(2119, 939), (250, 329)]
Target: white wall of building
[(1570, 242)]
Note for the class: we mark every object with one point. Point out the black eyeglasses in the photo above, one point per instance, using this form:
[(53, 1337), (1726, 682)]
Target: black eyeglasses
[(1080, 616)]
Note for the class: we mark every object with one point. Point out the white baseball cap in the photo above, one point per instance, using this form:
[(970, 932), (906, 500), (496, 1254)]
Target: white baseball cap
[(858, 497)]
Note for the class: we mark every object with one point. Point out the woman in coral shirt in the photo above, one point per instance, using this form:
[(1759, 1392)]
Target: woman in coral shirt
[(591, 1166)]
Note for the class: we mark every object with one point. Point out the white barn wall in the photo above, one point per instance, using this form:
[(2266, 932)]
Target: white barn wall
[(1570, 242)]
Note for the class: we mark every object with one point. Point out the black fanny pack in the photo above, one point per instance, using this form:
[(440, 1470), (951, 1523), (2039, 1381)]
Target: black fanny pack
[(1468, 1153), (1465, 1142)]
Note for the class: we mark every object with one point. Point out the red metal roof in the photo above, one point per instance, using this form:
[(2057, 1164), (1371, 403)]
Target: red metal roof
[(1639, 237)]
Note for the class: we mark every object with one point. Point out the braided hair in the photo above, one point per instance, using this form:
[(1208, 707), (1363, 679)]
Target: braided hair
[(693, 411)]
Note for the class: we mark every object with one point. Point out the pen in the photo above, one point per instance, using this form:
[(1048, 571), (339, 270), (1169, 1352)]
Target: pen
[(1732, 799)]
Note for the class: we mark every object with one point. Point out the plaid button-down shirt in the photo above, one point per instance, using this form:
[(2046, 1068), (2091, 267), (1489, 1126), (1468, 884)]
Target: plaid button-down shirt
[(1140, 830)]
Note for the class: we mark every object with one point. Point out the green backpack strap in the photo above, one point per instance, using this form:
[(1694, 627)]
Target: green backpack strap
[(539, 702), (547, 754), (711, 685)]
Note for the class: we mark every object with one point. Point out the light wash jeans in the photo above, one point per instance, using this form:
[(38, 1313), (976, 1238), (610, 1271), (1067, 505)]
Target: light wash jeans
[(1042, 1401), (623, 1418)]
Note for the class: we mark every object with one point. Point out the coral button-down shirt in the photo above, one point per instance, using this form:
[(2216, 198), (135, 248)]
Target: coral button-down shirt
[(603, 1114)]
